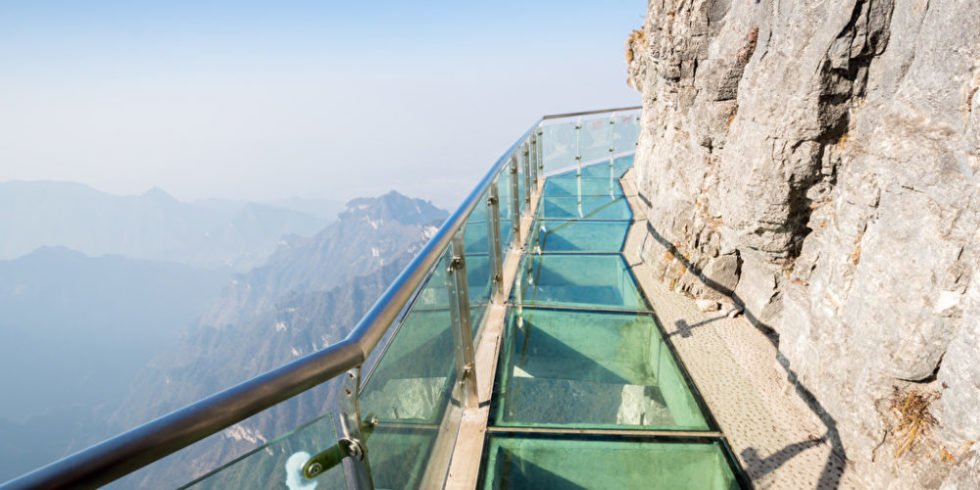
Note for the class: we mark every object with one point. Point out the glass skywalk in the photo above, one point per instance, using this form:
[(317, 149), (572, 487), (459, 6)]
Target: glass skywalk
[(587, 392)]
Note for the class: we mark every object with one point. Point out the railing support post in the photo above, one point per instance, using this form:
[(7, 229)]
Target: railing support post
[(612, 149), (493, 234), (578, 147), (459, 307), (526, 161), (515, 202), (534, 161), (540, 153), (356, 467)]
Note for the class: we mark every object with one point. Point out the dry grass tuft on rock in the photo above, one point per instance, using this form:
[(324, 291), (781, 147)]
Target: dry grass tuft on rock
[(914, 420), (636, 42)]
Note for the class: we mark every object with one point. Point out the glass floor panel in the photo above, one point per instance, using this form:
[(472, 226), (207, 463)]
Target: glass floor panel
[(620, 166), (582, 186), (521, 461), (579, 280), (579, 236), (586, 207), (601, 170), (582, 369)]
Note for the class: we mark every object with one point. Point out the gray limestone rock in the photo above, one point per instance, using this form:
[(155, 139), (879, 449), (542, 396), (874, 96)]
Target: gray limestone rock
[(822, 159)]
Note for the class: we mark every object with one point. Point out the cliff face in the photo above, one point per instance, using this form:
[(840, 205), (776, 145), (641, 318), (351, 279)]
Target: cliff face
[(817, 161)]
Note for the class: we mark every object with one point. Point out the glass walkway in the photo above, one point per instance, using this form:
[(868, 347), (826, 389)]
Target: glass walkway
[(524, 291), (588, 394)]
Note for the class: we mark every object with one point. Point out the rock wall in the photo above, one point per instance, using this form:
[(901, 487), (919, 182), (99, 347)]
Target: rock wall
[(817, 162)]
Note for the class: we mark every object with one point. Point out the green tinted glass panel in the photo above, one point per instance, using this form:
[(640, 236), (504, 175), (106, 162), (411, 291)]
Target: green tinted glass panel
[(480, 286), (515, 462), (582, 186), (585, 369), (399, 456), (279, 463), (596, 136), (475, 234), (587, 207), (521, 183), (506, 210), (411, 387), (558, 145), (479, 280), (579, 235), (627, 131), (596, 281)]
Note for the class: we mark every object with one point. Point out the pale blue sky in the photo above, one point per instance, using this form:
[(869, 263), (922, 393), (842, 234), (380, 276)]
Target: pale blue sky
[(266, 100)]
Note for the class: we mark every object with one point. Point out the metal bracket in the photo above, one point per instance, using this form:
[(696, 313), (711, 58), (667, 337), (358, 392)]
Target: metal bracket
[(352, 446), (344, 448)]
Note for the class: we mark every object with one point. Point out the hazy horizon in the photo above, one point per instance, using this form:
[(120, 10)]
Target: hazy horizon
[(250, 101)]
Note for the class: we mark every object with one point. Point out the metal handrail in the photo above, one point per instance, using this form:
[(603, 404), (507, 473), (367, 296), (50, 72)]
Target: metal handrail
[(123, 454), (589, 113)]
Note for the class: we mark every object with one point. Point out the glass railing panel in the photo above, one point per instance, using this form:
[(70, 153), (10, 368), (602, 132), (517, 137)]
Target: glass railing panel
[(579, 236), (579, 280), (475, 235), (586, 369), (279, 463), (521, 182), (558, 144), (586, 207), (583, 186), (596, 136), (411, 392), (506, 210), (627, 131), (549, 461), (479, 276)]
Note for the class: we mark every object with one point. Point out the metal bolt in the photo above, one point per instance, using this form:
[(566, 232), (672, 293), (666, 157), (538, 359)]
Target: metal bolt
[(354, 449), (314, 469)]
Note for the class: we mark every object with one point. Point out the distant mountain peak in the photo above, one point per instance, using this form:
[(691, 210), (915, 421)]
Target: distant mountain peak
[(157, 194), (393, 206)]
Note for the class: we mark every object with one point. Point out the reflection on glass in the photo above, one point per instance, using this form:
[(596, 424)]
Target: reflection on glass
[(506, 210), (586, 369), (517, 462), (582, 186), (586, 207), (584, 281), (579, 236), (601, 170), (279, 463)]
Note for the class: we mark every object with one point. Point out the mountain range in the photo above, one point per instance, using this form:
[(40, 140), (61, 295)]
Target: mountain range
[(308, 295), (153, 225), (152, 336)]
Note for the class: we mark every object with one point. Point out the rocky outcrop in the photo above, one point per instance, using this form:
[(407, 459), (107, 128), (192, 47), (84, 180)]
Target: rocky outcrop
[(817, 161)]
